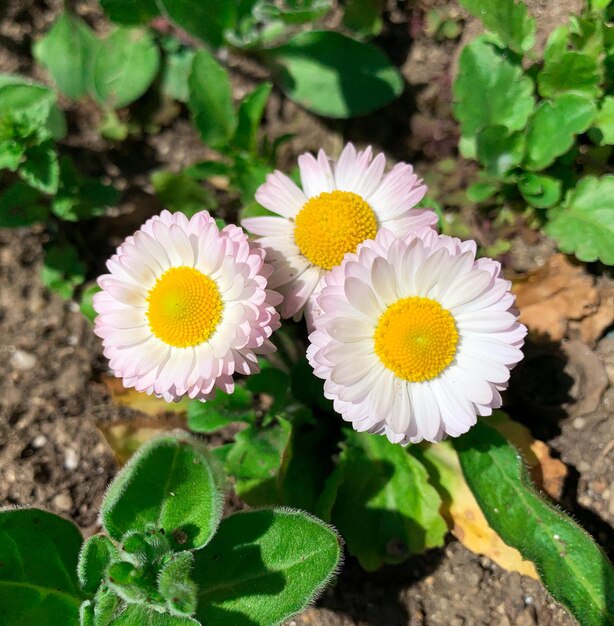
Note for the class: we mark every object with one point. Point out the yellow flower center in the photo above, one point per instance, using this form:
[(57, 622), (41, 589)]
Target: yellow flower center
[(185, 307), (332, 224), (416, 338)]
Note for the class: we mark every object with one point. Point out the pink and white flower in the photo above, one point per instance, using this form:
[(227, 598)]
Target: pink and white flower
[(184, 307), (341, 204), (415, 337)]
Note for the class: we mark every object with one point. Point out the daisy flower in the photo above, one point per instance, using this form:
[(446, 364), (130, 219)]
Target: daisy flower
[(184, 307), (339, 206), (416, 337)]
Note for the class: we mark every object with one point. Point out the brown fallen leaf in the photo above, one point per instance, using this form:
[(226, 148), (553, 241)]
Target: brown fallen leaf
[(551, 295), (463, 513)]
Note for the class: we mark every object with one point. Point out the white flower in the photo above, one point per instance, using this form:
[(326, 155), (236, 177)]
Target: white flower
[(184, 307), (415, 337), (340, 206)]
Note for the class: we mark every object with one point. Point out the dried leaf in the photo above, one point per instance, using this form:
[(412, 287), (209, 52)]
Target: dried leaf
[(462, 511), (138, 401)]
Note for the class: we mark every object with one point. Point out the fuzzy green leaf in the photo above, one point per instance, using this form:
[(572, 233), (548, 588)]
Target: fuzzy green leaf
[(509, 19), (96, 554), (135, 615), (571, 71), (168, 484), (553, 127), (385, 508), (176, 586), (574, 569), (251, 111), (66, 51), (499, 151), (38, 577), (124, 66), (605, 120), (224, 409), (130, 12), (490, 90), (584, 223), (264, 566), (333, 75), (211, 100)]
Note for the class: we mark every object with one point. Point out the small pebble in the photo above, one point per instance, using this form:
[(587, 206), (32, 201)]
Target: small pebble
[(22, 360), (39, 441), (71, 459), (63, 501), (579, 423)]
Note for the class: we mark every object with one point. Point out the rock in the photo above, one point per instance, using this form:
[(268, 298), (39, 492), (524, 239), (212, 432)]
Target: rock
[(71, 459), (22, 360), (63, 501)]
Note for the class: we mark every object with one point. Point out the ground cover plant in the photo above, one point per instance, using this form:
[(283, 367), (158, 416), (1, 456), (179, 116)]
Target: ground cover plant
[(337, 345)]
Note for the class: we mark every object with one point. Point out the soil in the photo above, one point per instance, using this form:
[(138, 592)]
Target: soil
[(53, 455)]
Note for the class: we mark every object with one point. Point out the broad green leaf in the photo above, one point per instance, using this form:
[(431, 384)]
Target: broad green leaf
[(333, 75), (38, 577), (18, 206), (176, 73), (11, 154), (135, 615), (62, 269), (509, 19), (499, 151), (574, 569), (211, 100), (258, 450), (175, 584), (605, 120), (205, 19), (480, 192), (130, 12), (553, 127), (541, 192), (557, 44), (168, 484), (96, 554), (385, 507), (490, 90), (66, 51), (364, 17), (180, 192), (224, 409), (247, 175), (250, 113), (41, 169), (572, 71), (124, 66), (264, 566), (599, 5), (584, 223)]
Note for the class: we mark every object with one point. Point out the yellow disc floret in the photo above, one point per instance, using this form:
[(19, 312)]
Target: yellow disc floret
[(416, 338), (332, 224), (184, 308)]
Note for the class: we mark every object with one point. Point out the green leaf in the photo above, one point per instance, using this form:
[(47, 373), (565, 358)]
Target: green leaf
[(205, 19), (224, 409), (66, 51), (41, 169), (264, 566), (135, 615), (574, 569), (250, 113), (490, 90), (124, 66), (571, 71), (176, 586), (584, 223), (333, 75), (180, 192), (170, 484), (247, 175), (541, 192), (62, 269), (96, 554), (508, 19), (18, 206), (385, 508), (498, 151), (130, 12), (272, 382), (480, 192), (605, 120), (257, 451), (364, 17), (553, 127), (211, 100), (11, 154), (176, 73), (38, 580)]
